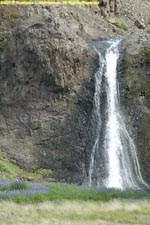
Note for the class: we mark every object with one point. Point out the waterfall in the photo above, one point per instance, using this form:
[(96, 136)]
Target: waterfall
[(112, 142)]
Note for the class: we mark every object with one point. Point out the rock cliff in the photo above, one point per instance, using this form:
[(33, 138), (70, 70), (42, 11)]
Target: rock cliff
[(46, 88), (135, 95), (110, 7), (47, 84)]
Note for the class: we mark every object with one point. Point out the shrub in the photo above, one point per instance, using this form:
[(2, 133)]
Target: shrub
[(9, 13), (16, 185), (118, 22), (121, 24)]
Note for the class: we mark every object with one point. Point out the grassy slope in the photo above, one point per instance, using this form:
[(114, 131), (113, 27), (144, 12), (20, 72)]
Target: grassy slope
[(76, 213), (10, 171)]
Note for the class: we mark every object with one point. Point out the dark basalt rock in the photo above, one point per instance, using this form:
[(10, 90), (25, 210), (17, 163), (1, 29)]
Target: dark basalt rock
[(46, 93), (135, 95), (47, 87)]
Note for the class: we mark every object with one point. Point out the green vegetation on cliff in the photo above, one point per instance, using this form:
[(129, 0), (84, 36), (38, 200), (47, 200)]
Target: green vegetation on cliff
[(145, 54), (9, 13), (121, 24), (8, 170)]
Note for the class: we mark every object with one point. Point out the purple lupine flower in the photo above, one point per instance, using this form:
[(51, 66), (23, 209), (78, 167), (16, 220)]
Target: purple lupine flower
[(34, 188)]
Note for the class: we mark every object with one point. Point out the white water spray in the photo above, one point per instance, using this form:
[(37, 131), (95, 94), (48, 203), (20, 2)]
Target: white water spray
[(121, 164)]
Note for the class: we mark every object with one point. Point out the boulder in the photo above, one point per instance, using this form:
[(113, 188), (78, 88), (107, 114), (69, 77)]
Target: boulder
[(140, 24)]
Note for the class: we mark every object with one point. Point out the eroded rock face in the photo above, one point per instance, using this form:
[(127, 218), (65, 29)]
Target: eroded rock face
[(135, 95), (46, 90), (110, 7)]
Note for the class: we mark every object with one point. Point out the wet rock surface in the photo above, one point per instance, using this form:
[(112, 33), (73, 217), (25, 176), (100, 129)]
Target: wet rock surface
[(135, 95)]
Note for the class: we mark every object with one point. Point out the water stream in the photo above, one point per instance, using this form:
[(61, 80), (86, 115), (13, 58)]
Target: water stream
[(119, 165)]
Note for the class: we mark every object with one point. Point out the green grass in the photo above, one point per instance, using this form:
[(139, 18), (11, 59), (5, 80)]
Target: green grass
[(16, 185), (115, 212), (67, 204), (120, 23), (59, 192), (9, 170)]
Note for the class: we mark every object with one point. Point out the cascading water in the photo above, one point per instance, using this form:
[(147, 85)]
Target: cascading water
[(112, 140)]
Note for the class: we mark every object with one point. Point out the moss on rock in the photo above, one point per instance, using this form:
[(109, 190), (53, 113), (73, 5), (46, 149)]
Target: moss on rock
[(145, 54), (9, 170)]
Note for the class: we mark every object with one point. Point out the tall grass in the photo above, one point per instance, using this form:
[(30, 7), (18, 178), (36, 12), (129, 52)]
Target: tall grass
[(16, 185), (59, 192), (115, 212)]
